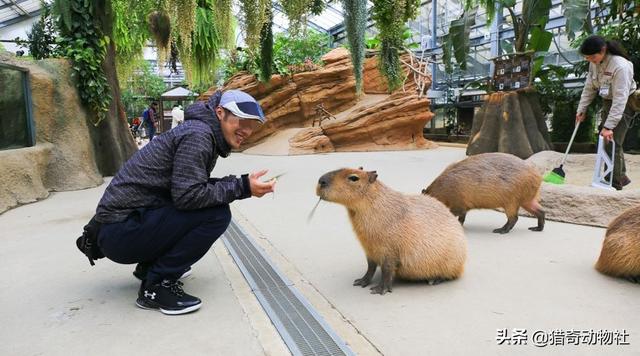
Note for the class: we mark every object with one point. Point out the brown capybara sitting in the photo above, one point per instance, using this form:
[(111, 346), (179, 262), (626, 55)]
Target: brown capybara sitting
[(490, 181), (620, 256), (413, 237)]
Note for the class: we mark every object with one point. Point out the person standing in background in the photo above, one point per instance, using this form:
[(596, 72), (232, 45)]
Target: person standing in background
[(610, 76), (149, 120), (177, 116)]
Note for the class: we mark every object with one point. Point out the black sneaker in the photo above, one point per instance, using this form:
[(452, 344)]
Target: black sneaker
[(168, 297), (142, 269)]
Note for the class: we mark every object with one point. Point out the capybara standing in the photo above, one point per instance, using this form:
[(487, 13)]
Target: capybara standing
[(409, 236), (490, 181), (620, 256)]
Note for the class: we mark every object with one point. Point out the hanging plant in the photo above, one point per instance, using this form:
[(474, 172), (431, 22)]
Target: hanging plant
[(160, 27), (390, 17), (209, 37), (266, 48), (317, 7), (297, 12), (183, 24), (254, 15), (355, 22), (130, 33), (82, 41)]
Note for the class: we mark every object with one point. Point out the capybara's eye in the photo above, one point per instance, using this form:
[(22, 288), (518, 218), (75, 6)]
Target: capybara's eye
[(354, 178)]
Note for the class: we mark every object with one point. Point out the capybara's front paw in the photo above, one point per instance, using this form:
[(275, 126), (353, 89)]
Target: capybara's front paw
[(362, 282), (501, 230), (535, 228), (380, 289)]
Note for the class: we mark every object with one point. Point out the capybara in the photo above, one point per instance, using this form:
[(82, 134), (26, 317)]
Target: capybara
[(413, 237), (490, 181), (620, 256)]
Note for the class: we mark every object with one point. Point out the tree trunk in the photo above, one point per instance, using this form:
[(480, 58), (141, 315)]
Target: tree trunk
[(510, 122), (112, 141)]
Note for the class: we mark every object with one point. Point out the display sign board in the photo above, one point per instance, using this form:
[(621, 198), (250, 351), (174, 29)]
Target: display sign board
[(512, 71)]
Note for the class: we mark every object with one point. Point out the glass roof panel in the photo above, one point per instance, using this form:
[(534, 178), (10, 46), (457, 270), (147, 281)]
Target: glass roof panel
[(12, 11)]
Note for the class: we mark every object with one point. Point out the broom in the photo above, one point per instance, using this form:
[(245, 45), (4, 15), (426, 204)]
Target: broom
[(556, 176)]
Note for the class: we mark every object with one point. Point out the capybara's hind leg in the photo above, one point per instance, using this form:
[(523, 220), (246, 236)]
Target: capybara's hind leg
[(512, 218), (534, 208), (461, 214), (388, 268), (366, 279)]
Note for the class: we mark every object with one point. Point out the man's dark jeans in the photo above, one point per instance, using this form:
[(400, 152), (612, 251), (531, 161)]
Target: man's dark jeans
[(168, 239)]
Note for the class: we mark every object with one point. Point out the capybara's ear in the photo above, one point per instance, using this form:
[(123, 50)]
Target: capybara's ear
[(372, 176), (360, 168)]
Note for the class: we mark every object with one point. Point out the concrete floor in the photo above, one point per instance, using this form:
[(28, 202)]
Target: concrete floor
[(55, 303)]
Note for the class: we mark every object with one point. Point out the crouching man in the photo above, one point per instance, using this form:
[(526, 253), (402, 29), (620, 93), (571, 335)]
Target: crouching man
[(163, 212)]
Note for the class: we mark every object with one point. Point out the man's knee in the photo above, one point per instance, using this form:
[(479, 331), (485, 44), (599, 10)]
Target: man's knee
[(219, 215)]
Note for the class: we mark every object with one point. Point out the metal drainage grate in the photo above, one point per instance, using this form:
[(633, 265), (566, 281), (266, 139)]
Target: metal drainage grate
[(300, 326)]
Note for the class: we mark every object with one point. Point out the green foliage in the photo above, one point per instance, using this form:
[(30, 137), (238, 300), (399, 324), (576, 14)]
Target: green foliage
[(82, 41), (355, 20), (254, 15), (626, 32), (130, 33), (562, 102), (184, 21), (238, 61), (140, 87), (317, 7), (373, 43), (390, 17), (457, 40), (266, 49), (160, 27), (42, 35), (578, 16), (289, 50), (488, 5), (528, 26), (297, 12), (208, 40)]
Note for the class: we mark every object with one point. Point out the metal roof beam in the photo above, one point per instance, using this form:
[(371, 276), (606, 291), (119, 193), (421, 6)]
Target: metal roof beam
[(14, 4), (9, 4), (20, 18)]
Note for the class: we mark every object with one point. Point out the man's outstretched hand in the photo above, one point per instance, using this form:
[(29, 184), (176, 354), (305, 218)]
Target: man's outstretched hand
[(258, 187)]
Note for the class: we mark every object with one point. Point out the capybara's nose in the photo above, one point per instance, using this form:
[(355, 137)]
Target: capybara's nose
[(323, 183)]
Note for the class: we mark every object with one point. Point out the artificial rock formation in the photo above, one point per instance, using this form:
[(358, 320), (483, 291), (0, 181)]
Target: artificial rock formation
[(576, 201), (394, 123), (375, 83), (291, 101), (63, 157), (510, 122)]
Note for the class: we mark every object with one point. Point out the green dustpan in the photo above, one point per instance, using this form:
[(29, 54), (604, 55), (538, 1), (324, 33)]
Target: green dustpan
[(553, 178), (556, 176)]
